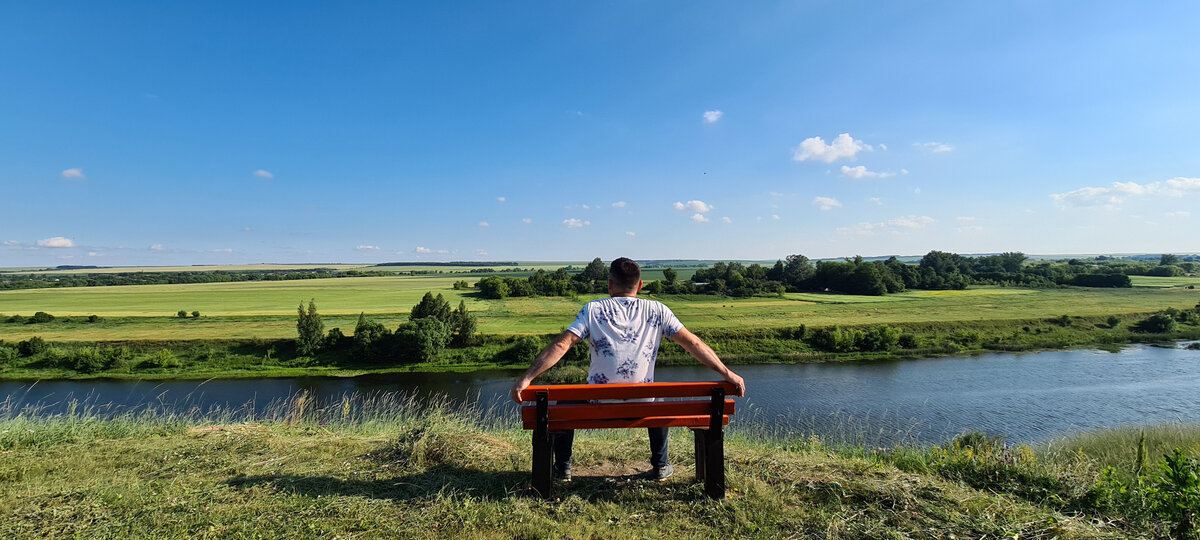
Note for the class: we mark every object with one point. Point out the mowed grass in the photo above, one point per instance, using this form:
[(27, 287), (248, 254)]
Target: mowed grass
[(267, 309)]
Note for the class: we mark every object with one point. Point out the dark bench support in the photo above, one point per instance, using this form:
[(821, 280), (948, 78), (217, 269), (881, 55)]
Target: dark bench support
[(543, 458)]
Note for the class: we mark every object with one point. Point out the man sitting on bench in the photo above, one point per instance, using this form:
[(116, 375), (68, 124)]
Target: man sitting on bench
[(623, 333)]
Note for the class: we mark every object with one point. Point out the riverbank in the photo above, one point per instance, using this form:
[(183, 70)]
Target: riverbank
[(386, 468), (234, 359)]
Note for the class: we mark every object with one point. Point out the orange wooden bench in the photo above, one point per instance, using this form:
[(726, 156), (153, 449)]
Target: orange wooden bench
[(706, 417)]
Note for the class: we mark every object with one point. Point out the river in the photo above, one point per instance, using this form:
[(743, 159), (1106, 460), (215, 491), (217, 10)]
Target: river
[(1028, 397)]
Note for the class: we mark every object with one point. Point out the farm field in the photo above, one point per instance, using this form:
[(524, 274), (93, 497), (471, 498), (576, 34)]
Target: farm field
[(266, 309)]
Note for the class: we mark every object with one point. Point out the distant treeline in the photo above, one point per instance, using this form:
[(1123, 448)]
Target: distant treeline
[(42, 281), (451, 263), (937, 270)]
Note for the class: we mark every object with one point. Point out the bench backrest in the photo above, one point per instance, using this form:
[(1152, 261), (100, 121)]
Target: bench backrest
[(686, 413)]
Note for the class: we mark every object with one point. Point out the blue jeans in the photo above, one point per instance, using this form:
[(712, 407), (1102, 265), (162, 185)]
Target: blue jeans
[(562, 442)]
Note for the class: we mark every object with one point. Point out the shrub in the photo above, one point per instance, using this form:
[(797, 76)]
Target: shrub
[(836, 339), (15, 319), (1159, 323), (57, 357), (1113, 321), (420, 340), (880, 338), (908, 341), (182, 314), (523, 350), (94, 318), (195, 314), (32, 346), (335, 338), (162, 358), (1175, 496), (8, 356), (87, 360), (39, 318)]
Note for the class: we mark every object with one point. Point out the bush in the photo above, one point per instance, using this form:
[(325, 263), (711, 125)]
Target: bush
[(523, 350), (94, 318), (195, 314), (837, 339), (908, 341), (420, 340), (1113, 321), (15, 319), (335, 338), (87, 360), (162, 358), (182, 314), (1159, 323), (39, 318), (32, 346), (880, 338), (8, 356)]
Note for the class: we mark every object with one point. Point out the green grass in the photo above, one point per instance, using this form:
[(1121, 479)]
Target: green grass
[(267, 309), (380, 466)]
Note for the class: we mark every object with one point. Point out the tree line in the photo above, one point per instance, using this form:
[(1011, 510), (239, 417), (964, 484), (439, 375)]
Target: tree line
[(46, 281)]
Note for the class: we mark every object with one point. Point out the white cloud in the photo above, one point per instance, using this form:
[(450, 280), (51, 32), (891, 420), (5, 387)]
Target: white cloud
[(1115, 195), (694, 206), (573, 223), (894, 225), (484, 224), (903, 171), (935, 147), (883, 147), (75, 174), (263, 174), (481, 252), (1178, 214), (911, 222), (11, 243), (156, 247), (876, 200), (775, 217), (526, 220), (421, 249), (618, 204), (862, 172), (699, 218), (367, 248), (502, 199), (56, 242), (94, 254), (726, 220), (711, 117), (965, 219), (826, 203), (814, 148), (223, 250), (630, 234)]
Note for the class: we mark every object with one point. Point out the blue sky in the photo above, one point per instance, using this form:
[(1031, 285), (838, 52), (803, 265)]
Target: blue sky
[(241, 132)]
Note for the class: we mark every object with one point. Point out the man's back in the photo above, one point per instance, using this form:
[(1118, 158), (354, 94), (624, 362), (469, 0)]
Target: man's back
[(623, 334)]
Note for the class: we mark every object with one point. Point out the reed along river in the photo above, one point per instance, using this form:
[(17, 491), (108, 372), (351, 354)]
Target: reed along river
[(1024, 397)]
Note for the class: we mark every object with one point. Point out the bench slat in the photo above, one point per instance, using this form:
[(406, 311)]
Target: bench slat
[(700, 421), (614, 411), (564, 392)]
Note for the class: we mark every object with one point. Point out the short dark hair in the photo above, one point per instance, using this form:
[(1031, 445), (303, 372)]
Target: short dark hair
[(625, 274)]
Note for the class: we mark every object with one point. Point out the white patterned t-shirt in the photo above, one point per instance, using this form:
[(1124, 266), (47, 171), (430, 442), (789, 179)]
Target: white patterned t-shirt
[(623, 335)]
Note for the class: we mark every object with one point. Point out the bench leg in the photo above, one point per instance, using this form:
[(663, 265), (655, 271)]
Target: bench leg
[(543, 458), (698, 436), (714, 449)]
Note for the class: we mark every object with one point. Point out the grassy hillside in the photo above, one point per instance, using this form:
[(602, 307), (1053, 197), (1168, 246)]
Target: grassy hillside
[(379, 468)]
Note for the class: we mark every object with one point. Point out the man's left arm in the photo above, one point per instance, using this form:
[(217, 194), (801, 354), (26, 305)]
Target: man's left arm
[(544, 361)]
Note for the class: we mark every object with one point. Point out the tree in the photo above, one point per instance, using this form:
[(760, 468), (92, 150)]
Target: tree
[(796, 271), (195, 314), (1168, 258), (670, 275), (430, 306), (596, 270), (462, 325), (182, 314), (367, 335), (421, 340), (310, 329)]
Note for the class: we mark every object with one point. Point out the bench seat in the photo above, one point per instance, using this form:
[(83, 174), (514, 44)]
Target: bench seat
[(706, 417)]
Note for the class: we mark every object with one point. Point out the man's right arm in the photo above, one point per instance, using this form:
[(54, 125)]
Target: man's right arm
[(705, 355)]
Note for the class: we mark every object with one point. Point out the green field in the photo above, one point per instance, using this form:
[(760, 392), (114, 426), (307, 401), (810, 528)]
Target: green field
[(267, 309), (383, 467)]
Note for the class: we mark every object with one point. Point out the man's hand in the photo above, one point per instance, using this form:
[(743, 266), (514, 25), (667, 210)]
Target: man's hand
[(517, 387), (737, 382)]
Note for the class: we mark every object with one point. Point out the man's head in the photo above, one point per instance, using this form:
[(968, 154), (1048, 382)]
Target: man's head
[(624, 276)]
